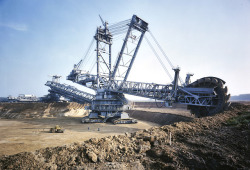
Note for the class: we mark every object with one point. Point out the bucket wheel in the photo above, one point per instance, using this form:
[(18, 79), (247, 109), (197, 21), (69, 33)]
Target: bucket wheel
[(220, 101)]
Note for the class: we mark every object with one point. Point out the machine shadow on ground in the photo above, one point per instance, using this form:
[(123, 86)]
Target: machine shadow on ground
[(159, 118)]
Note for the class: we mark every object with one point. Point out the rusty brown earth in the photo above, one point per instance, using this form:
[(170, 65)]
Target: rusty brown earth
[(205, 143)]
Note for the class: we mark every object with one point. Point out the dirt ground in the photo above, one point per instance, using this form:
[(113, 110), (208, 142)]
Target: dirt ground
[(32, 134), (215, 142), (27, 126)]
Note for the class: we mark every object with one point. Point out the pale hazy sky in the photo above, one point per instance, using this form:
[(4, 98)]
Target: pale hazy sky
[(45, 37)]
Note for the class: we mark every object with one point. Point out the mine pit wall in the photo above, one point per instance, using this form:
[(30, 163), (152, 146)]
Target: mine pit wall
[(41, 110)]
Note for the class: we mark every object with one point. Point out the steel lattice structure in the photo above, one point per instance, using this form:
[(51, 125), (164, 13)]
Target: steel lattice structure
[(205, 96)]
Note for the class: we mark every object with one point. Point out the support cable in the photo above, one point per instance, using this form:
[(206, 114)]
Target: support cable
[(118, 26), (87, 56), (91, 61), (112, 25), (87, 63), (170, 63), (119, 30), (119, 33), (159, 59), (92, 67), (120, 21), (118, 37)]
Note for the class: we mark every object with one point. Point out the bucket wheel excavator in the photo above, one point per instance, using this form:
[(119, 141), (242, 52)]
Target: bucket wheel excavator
[(204, 97), (220, 99)]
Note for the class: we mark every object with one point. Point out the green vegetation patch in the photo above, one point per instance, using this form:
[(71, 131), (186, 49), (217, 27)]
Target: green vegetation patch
[(242, 120)]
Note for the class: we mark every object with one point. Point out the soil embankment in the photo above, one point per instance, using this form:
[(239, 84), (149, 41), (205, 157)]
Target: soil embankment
[(217, 142), (40, 110)]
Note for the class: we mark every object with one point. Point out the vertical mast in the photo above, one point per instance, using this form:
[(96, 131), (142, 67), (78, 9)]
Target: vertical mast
[(97, 57), (103, 54)]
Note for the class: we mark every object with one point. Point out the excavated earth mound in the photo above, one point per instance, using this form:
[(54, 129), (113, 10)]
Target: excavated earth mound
[(40, 110), (217, 142)]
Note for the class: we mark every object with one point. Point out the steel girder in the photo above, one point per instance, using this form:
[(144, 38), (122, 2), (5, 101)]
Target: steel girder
[(70, 92)]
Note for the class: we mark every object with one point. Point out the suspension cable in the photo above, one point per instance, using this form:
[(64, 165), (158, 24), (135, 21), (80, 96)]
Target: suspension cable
[(87, 53), (119, 32), (119, 26), (169, 62), (120, 29), (159, 59), (119, 23), (118, 37), (89, 59), (92, 67)]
